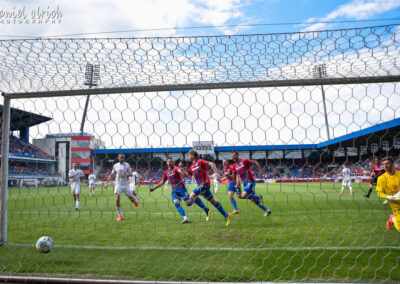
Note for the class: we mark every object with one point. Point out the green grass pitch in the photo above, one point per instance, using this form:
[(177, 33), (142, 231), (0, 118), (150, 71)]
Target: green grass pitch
[(312, 234)]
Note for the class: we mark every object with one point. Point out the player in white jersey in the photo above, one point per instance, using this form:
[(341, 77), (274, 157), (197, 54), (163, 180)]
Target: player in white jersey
[(122, 172), (346, 174), (134, 183), (215, 183), (74, 176), (92, 179)]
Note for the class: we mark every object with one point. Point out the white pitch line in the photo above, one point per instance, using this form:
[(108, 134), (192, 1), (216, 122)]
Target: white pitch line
[(217, 249), (32, 279), (289, 212)]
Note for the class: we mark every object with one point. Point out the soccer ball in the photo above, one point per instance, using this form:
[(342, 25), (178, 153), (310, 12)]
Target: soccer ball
[(44, 244)]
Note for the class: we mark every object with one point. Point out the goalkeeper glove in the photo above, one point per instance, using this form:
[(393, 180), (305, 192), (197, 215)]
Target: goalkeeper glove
[(394, 197)]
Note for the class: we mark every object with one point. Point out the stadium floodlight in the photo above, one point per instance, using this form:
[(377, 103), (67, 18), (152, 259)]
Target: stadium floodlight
[(320, 72), (92, 76)]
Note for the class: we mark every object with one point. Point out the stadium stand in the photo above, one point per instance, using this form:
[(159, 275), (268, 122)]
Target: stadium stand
[(322, 160), (29, 165), (23, 149)]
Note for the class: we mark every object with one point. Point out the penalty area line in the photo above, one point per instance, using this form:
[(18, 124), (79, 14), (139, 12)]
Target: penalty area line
[(217, 249)]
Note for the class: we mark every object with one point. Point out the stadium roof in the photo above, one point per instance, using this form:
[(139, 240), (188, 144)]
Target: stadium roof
[(391, 128), (67, 135), (378, 131), (23, 119)]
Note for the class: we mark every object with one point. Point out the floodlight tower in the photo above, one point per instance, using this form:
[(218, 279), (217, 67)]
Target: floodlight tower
[(320, 72), (92, 76)]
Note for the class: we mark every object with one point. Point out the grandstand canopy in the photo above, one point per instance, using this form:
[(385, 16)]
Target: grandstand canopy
[(23, 119), (388, 129)]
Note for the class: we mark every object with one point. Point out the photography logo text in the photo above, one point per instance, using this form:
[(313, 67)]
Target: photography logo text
[(37, 15)]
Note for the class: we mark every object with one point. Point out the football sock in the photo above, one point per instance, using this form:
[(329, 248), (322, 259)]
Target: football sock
[(77, 204), (261, 206), (200, 203), (233, 201), (221, 209), (180, 209), (119, 211)]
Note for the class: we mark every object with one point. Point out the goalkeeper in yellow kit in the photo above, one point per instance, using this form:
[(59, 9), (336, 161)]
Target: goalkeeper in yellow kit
[(388, 187)]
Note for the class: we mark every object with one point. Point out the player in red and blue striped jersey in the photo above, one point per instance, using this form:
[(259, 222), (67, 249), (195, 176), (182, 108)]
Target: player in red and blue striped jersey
[(230, 175), (174, 177), (198, 169), (377, 171), (243, 170)]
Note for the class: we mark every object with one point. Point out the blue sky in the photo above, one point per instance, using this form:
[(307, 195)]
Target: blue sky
[(277, 127), (106, 15)]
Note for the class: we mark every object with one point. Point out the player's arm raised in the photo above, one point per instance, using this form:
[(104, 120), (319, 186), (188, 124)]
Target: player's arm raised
[(214, 168)]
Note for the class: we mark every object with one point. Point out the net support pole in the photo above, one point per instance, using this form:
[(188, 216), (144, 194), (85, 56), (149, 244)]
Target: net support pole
[(325, 113), (84, 113), (4, 169)]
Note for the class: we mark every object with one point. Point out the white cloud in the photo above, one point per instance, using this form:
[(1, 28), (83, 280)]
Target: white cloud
[(356, 9), (229, 116), (104, 15)]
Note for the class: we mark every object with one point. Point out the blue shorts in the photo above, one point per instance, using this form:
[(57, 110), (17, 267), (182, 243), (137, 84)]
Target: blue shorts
[(249, 187), (180, 193), (204, 190), (233, 188)]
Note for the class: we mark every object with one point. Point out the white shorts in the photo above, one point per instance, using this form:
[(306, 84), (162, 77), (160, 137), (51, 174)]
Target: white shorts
[(132, 187), (346, 182), (75, 188), (91, 184), (120, 188)]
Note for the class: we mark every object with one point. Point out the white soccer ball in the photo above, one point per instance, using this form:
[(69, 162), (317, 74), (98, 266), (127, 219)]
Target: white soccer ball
[(44, 244)]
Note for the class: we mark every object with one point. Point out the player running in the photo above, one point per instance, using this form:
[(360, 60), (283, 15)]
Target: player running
[(174, 175), (346, 174), (377, 170), (92, 180), (134, 183), (230, 175), (388, 187), (215, 183), (122, 170), (75, 175), (243, 170), (198, 169)]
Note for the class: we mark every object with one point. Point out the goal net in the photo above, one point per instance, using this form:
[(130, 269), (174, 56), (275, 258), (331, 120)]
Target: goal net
[(301, 120)]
